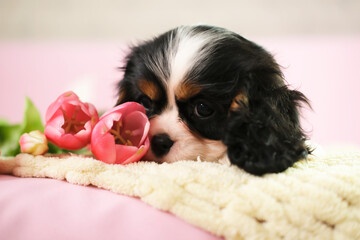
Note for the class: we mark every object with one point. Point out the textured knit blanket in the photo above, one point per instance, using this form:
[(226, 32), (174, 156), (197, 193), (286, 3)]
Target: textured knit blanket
[(318, 198)]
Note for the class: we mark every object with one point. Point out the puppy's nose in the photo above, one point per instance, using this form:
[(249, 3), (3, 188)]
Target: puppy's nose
[(161, 144)]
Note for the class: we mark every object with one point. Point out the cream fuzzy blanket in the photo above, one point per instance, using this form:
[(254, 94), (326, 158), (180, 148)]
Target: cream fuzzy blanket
[(316, 199)]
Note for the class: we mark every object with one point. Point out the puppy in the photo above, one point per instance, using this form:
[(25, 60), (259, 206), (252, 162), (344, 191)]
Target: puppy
[(211, 93)]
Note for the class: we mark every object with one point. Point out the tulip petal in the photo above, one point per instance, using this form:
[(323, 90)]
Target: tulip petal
[(136, 123), (57, 121), (52, 132), (139, 153), (104, 148), (99, 131), (85, 134), (26, 145), (126, 108), (58, 102), (69, 142), (91, 111), (124, 152)]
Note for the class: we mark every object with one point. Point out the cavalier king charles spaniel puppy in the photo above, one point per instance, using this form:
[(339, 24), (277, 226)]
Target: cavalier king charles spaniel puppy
[(211, 93)]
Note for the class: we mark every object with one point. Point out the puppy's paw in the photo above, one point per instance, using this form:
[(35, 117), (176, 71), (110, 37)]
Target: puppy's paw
[(263, 146)]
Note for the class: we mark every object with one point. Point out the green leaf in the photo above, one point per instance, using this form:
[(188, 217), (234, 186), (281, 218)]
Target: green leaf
[(10, 134), (32, 118), (54, 149), (9, 139)]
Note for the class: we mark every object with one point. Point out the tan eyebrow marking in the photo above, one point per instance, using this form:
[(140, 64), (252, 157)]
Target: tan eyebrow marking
[(149, 88), (239, 102), (186, 90)]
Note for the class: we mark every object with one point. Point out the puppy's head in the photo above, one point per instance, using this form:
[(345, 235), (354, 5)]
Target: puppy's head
[(209, 92)]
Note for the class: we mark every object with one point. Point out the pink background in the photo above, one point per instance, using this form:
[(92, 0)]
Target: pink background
[(326, 69)]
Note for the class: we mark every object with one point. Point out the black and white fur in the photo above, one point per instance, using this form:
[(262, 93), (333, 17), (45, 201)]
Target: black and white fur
[(234, 101)]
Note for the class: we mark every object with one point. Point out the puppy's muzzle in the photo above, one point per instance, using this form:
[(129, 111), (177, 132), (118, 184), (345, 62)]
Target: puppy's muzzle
[(161, 144)]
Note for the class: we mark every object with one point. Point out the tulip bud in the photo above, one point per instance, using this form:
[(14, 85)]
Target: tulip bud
[(34, 143)]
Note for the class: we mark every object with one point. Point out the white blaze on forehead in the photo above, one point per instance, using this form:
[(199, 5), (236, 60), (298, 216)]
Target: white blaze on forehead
[(185, 48), (188, 50), (167, 122)]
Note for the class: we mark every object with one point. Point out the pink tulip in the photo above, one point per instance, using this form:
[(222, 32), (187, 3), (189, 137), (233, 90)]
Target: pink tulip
[(69, 122), (34, 143), (121, 135)]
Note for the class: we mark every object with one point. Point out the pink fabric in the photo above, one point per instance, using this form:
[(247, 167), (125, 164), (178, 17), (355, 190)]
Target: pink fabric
[(45, 209)]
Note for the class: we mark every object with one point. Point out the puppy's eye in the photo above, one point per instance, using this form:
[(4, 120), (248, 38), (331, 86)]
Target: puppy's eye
[(203, 110), (146, 102)]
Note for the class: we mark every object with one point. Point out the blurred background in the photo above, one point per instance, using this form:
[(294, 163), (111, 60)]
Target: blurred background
[(48, 47)]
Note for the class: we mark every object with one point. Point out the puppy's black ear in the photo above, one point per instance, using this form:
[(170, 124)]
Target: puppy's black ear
[(263, 132)]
